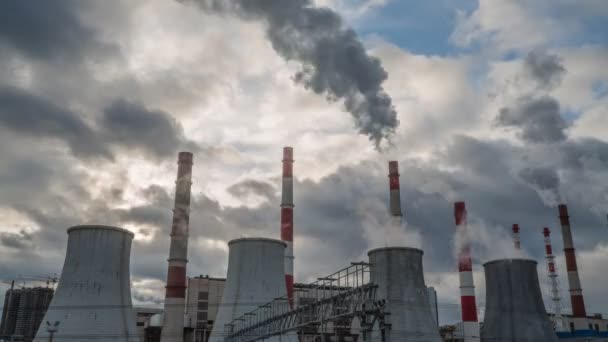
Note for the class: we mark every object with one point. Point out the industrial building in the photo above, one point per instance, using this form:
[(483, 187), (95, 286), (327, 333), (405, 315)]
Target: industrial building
[(383, 298), (203, 299), (142, 319), (23, 311)]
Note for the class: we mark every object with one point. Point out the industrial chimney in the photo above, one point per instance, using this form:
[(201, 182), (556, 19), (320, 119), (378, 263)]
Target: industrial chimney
[(93, 299), (576, 293), (516, 240), (514, 303), (398, 273), (173, 326), (287, 219), (255, 277), (465, 267), (553, 280), (395, 191)]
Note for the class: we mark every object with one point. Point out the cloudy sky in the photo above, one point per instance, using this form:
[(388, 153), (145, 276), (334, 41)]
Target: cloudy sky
[(499, 103)]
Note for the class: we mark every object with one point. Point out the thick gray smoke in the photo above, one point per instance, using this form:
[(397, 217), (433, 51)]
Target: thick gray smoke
[(545, 181), (333, 59), (537, 120), (547, 70)]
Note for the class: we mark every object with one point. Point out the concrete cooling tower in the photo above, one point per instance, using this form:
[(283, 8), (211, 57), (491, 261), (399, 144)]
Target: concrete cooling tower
[(255, 277), (514, 305), (398, 273), (93, 299)]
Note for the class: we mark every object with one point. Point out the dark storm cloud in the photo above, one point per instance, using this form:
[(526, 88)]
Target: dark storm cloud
[(49, 29), (476, 155), (132, 125), (36, 117), (544, 180), (545, 69), (253, 187), (334, 60), (21, 240), (585, 154), (157, 194), (123, 125), (537, 120)]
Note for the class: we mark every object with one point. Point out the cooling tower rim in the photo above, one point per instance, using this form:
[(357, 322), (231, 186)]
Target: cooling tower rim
[(386, 249), (257, 239), (511, 260), (100, 227)]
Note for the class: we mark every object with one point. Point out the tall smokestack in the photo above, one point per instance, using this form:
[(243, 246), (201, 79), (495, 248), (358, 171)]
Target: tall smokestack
[(395, 189), (576, 292), (173, 327), (516, 240), (287, 219), (553, 280), (465, 268)]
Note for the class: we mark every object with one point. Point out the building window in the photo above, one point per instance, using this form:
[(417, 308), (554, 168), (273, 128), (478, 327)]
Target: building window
[(204, 306), (572, 327), (201, 316), (203, 295), (140, 324)]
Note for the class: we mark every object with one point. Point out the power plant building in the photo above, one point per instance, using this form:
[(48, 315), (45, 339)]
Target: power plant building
[(382, 299), (203, 299)]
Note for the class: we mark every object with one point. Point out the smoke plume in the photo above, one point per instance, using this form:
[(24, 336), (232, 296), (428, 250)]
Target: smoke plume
[(546, 183), (333, 60), (537, 120), (547, 70)]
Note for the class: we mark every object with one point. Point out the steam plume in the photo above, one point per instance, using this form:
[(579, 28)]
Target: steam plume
[(333, 60), (546, 183)]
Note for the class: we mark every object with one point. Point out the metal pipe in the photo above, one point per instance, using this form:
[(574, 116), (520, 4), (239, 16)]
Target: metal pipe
[(173, 326)]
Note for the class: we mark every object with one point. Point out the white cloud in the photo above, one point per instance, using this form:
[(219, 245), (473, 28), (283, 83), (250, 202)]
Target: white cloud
[(498, 26)]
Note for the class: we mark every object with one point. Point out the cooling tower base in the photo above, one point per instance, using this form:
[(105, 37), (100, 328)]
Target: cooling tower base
[(93, 298), (398, 273), (514, 306)]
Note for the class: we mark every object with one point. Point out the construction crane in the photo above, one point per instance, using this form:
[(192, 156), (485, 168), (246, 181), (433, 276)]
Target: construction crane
[(40, 278), (12, 284)]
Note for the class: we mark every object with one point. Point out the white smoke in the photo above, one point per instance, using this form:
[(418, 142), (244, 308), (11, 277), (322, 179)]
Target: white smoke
[(487, 242), (384, 230)]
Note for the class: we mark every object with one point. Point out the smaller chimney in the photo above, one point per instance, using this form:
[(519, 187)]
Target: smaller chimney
[(574, 281), (465, 268), (553, 280), (516, 239), (395, 189)]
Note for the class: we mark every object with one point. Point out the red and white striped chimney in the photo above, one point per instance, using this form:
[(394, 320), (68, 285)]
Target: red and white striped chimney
[(553, 280), (395, 190), (173, 326), (287, 219), (516, 240), (465, 268), (574, 282)]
